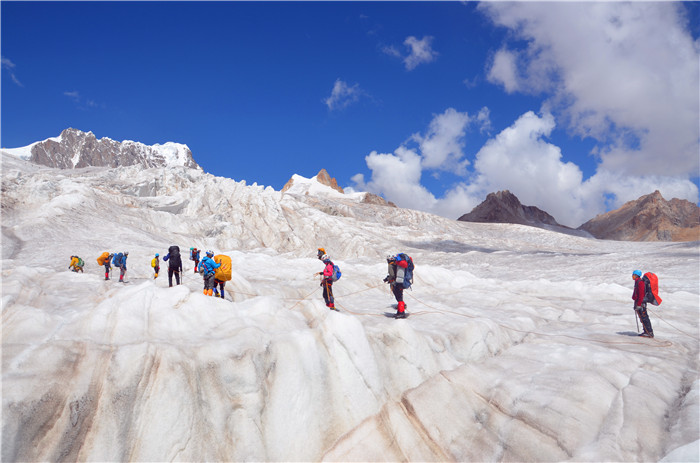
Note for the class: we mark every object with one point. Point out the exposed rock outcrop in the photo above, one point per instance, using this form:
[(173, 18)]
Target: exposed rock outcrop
[(325, 179), (322, 177), (505, 207), (371, 198), (74, 149), (649, 218)]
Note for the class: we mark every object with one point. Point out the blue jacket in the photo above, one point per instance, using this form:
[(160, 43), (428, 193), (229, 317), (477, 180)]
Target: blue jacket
[(208, 265)]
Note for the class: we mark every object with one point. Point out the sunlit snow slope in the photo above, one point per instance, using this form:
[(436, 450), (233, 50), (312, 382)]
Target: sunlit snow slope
[(521, 344)]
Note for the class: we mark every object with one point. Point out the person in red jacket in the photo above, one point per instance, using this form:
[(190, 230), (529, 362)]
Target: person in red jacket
[(327, 282), (397, 271), (640, 307)]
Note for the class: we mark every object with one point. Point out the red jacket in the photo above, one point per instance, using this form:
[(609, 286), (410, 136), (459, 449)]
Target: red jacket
[(639, 292)]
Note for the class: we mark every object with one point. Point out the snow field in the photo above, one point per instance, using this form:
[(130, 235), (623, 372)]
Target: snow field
[(520, 345)]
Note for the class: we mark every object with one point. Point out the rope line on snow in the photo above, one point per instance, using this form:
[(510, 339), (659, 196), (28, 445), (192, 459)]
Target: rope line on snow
[(436, 310), (671, 325), (659, 343)]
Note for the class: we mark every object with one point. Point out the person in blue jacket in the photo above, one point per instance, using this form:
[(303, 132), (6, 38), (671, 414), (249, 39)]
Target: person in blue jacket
[(122, 266), (206, 268)]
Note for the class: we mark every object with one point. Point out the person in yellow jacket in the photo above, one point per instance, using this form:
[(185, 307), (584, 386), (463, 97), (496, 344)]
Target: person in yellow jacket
[(76, 264), (155, 263)]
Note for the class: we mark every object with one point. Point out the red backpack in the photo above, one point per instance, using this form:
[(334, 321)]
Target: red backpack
[(651, 286)]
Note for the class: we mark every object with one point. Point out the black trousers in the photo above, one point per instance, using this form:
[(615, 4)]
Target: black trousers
[(397, 289), (170, 275), (644, 318)]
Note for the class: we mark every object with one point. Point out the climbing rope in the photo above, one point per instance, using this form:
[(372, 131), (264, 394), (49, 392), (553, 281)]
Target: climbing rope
[(439, 311), (436, 310)]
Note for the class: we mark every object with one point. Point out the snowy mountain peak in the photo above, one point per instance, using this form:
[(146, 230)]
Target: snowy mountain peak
[(321, 183), (74, 149)]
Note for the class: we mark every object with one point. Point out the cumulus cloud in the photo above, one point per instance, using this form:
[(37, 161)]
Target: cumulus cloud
[(343, 95), (519, 159), (442, 146), (418, 52), (397, 175), (9, 66), (503, 70), (624, 73), (421, 51)]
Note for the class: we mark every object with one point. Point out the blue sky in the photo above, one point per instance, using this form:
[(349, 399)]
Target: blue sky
[(574, 107)]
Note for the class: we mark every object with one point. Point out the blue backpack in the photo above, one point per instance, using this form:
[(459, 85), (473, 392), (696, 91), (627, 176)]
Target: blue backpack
[(117, 260), (408, 277), (336, 273)]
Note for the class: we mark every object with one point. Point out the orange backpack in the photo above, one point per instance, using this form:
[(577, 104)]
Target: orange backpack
[(651, 286), (101, 260), (223, 273)]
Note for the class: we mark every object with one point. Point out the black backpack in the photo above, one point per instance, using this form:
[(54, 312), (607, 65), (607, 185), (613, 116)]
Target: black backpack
[(174, 261)]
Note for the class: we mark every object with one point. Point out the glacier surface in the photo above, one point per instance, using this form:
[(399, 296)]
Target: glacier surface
[(521, 343)]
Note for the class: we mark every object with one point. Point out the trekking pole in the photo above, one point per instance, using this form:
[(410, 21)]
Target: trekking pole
[(636, 319)]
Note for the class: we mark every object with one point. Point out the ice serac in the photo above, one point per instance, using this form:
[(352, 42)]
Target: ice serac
[(75, 149), (649, 218)]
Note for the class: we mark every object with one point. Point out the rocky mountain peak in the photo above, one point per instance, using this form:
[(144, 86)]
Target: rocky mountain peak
[(324, 178), (75, 149), (504, 207), (649, 218)]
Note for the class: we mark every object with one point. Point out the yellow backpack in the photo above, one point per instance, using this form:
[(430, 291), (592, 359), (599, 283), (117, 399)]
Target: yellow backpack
[(223, 273)]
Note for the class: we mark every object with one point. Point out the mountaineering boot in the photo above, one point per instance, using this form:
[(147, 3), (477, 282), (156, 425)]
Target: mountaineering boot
[(210, 292), (401, 310), (216, 293), (647, 335), (205, 291)]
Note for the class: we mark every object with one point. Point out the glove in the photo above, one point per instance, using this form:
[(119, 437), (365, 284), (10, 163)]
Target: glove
[(637, 308), (386, 279)]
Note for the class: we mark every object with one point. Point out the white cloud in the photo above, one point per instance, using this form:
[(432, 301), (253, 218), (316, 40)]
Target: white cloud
[(397, 176), (421, 51), (625, 73), (503, 70), (82, 103), (343, 95), (9, 66), (518, 159), (74, 95), (392, 51), (442, 146)]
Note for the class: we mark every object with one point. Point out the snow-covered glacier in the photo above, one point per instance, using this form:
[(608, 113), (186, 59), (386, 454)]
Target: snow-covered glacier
[(521, 344)]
